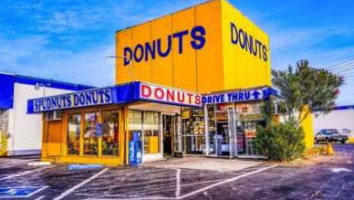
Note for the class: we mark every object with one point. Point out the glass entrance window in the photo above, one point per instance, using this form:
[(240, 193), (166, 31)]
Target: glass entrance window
[(168, 130), (248, 118), (90, 134), (73, 137), (212, 130), (110, 136), (193, 128), (135, 124), (220, 129)]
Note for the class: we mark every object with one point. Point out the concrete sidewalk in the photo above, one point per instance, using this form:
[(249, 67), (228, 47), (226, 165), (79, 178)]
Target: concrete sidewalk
[(204, 163)]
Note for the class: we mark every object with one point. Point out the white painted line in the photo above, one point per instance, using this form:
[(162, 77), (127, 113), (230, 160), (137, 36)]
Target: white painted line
[(39, 164), (45, 187), (140, 198), (336, 170), (178, 183), (7, 166), (225, 181), (41, 197), (24, 173), (69, 191)]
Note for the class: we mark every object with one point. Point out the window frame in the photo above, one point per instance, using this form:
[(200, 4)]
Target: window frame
[(101, 119), (67, 133), (82, 113)]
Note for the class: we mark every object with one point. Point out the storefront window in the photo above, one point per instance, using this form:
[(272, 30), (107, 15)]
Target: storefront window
[(221, 129), (193, 127), (90, 134), (110, 134), (73, 139), (151, 133), (248, 118), (135, 123)]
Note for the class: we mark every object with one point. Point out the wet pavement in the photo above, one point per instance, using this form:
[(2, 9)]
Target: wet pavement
[(328, 178)]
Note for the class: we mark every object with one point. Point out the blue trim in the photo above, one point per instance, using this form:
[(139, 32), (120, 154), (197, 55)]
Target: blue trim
[(242, 95), (51, 83), (8, 81), (6, 91), (347, 107), (119, 94)]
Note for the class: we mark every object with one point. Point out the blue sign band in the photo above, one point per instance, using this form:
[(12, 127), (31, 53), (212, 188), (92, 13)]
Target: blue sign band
[(238, 96)]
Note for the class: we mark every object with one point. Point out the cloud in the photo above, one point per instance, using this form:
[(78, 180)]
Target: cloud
[(50, 50), (32, 57), (12, 50)]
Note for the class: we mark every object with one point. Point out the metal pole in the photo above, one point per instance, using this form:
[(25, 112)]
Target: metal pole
[(206, 132)]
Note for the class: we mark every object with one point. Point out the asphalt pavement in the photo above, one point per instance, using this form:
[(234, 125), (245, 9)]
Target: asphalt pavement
[(330, 177)]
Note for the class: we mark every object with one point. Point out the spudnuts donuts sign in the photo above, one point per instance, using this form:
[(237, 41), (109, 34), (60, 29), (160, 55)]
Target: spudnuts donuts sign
[(169, 95), (73, 100)]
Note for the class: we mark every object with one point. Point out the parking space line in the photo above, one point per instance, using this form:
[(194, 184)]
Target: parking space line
[(24, 173), (39, 198), (7, 166), (69, 191), (139, 198), (178, 183), (225, 181)]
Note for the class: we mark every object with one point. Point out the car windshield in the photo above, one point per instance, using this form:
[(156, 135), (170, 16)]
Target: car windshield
[(327, 132)]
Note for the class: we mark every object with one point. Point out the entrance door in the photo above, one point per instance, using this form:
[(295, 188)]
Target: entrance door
[(222, 138), (221, 130), (169, 129), (53, 139)]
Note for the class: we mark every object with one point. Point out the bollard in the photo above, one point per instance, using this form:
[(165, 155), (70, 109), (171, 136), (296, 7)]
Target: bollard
[(330, 150)]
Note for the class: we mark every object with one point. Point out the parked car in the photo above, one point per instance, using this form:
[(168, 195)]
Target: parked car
[(330, 135)]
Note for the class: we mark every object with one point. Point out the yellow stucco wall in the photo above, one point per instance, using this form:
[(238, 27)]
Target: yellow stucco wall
[(55, 148), (3, 143), (307, 126), (246, 53), (199, 53)]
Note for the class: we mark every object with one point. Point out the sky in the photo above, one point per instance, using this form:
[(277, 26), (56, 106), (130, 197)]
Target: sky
[(69, 40)]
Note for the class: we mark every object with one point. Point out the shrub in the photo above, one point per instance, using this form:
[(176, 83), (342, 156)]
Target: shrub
[(280, 141)]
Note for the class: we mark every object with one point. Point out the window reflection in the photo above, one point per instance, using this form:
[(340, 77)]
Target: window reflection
[(90, 134), (110, 133), (73, 139)]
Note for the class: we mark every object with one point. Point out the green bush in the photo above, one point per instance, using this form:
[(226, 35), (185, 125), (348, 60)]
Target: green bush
[(280, 141)]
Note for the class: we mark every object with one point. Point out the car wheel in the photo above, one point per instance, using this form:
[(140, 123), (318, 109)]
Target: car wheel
[(343, 141)]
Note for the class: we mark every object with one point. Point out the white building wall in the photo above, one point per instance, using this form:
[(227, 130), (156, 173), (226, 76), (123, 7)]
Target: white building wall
[(26, 129), (338, 119)]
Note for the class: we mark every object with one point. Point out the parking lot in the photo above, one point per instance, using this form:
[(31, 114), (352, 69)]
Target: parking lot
[(331, 178)]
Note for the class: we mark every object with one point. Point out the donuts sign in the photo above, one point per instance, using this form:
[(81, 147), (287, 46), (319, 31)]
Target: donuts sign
[(169, 95)]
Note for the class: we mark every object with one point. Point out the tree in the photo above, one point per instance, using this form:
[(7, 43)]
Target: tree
[(306, 86)]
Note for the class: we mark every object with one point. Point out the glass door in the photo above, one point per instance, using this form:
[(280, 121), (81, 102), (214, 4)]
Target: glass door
[(168, 124), (178, 137), (211, 137), (248, 118), (232, 130), (221, 135), (222, 138)]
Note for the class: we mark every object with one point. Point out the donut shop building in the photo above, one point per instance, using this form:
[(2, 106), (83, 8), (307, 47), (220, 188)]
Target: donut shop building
[(191, 82)]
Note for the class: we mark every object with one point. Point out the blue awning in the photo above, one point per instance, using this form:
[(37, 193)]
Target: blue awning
[(93, 97), (244, 95), (140, 91), (119, 94)]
